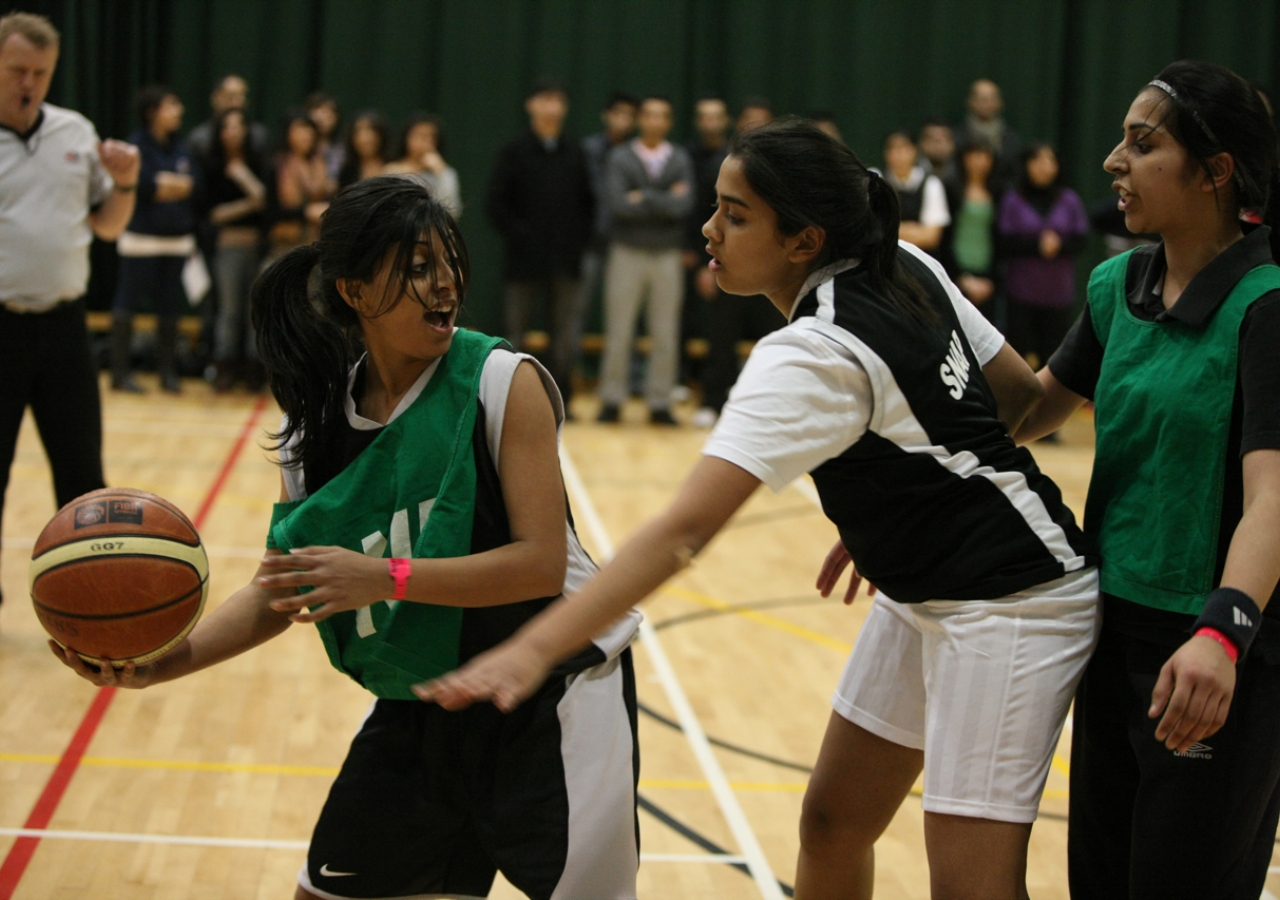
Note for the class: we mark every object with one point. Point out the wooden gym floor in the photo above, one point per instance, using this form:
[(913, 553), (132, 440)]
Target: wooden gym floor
[(208, 787)]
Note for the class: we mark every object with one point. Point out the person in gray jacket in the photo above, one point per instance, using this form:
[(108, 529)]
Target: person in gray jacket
[(648, 188)]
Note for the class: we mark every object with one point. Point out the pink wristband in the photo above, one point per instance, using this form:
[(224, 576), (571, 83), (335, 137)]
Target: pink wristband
[(400, 571), (1214, 634)]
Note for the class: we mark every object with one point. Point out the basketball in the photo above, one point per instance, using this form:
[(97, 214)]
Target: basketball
[(119, 574)]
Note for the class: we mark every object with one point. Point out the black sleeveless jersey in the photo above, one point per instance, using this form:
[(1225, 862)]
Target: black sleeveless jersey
[(934, 501)]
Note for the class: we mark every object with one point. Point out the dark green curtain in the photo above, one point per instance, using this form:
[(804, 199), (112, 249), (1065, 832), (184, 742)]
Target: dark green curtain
[(1068, 68)]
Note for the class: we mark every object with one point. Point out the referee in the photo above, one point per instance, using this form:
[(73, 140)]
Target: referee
[(59, 186)]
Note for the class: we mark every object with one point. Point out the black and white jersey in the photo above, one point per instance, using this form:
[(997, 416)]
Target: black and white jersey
[(932, 498)]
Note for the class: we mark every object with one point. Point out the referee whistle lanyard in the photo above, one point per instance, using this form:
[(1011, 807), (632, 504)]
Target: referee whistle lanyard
[(410, 493)]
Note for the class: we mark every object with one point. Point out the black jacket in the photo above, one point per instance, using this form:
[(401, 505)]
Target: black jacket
[(541, 202)]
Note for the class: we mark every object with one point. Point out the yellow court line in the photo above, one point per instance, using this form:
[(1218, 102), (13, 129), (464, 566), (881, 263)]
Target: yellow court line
[(761, 618), (689, 784)]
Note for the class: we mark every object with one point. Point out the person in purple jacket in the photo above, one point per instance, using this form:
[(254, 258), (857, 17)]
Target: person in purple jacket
[(1041, 228)]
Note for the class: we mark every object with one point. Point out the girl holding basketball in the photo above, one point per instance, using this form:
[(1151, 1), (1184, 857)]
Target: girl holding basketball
[(1175, 768), (423, 515), (895, 393)]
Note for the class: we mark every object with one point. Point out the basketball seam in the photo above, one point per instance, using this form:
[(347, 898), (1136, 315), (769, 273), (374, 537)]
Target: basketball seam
[(69, 552), (126, 615)]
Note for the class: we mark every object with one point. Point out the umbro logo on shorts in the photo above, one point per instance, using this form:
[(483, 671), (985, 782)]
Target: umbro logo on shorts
[(329, 873), (1196, 750), (1241, 618)]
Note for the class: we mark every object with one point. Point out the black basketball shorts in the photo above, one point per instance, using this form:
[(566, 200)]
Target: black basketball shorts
[(430, 802)]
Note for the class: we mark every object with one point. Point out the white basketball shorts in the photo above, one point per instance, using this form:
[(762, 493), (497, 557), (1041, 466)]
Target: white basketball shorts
[(981, 686)]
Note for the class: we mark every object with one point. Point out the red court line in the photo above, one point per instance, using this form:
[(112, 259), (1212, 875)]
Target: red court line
[(19, 855)]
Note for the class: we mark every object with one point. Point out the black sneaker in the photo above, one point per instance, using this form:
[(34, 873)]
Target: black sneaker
[(126, 385), (661, 417), (609, 413)]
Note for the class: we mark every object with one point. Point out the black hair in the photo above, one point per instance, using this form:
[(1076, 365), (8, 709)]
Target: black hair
[(660, 98), (421, 118), (349, 173), (1030, 152), (809, 178), (1213, 110), (616, 97), (935, 122), (547, 86), (903, 133), (218, 151), (291, 116), (320, 98), (148, 100), (308, 342)]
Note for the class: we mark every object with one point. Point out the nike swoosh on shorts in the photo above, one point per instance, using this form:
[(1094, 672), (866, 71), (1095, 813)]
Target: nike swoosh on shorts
[(329, 873)]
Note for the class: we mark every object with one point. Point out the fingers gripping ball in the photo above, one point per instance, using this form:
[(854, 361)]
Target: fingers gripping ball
[(119, 574)]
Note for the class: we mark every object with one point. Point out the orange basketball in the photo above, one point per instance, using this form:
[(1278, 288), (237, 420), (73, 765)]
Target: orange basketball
[(119, 574)]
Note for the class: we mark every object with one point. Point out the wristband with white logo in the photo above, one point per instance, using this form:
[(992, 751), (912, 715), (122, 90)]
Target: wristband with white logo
[(400, 572), (1234, 615)]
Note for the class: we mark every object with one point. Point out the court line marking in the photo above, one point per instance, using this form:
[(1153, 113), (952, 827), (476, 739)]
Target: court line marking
[(268, 844), (20, 853), (757, 863), (771, 621), (805, 487)]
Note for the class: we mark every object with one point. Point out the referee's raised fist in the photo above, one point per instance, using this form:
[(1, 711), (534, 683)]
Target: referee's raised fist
[(121, 160)]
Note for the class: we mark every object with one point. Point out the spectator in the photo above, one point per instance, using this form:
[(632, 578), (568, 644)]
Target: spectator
[(235, 198), (539, 200), (756, 111), (650, 193), (970, 244), (422, 143), (728, 319), (1042, 228), (826, 123), (323, 110), (619, 120), (58, 188), (984, 123), (922, 200), (302, 185), (231, 92), (366, 150), (159, 239), (938, 147)]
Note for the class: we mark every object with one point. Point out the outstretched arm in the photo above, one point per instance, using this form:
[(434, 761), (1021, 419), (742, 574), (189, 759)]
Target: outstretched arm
[(512, 671), (1053, 408)]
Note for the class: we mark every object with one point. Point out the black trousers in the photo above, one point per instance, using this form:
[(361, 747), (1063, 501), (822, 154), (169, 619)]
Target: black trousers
[(731, 319), (1149, 824), (45, 363)]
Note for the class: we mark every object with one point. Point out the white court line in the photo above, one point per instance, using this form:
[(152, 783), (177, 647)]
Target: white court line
[(752, 852), (1266, 894), (264, 844)]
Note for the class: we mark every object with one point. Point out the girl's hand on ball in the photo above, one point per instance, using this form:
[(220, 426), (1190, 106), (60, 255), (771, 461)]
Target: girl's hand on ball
[(106, 674), (340, 580)]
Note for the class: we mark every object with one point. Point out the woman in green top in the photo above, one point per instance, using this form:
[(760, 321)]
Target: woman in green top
[(1175, 777), (973, 242)]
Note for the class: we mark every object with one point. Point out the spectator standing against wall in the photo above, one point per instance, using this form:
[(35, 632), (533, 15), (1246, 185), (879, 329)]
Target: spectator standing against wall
[(922, 200), (421, 148), (938, 150), (649, 187), (540, 201), (301, 183), (970, 243), (366, 152), (231, 92), (984, 122), (59, 186), (619, 120), (235, 198), (1042, 228), (160, 237), (755, 112), (323, 110)]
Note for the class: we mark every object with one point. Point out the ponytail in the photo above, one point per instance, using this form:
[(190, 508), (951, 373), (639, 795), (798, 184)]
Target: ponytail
[(810, 178), (1271, 213), (305, 353)]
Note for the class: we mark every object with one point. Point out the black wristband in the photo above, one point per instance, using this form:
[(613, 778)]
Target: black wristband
[(1234, 614), (125, 188)]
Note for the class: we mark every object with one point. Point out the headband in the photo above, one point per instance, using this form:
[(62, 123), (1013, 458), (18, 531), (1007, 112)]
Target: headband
[(1183, 102)]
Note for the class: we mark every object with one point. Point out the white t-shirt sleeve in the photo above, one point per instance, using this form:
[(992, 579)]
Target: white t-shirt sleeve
[(495, 386), (801, 400), (984, 338), (933, 208)]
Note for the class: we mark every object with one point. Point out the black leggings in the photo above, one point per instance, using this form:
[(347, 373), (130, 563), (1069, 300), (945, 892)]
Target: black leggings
[(1147, 824), (45, 363)]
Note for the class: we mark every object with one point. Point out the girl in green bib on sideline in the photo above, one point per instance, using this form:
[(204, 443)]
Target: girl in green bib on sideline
[(1175, 769), (422, 520)]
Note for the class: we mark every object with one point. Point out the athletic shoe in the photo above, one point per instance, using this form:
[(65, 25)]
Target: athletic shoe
[(706, 417), (126, 385), (609, 414), (661, 417)]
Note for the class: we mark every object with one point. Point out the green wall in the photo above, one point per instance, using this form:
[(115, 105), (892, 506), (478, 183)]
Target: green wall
[(1068, 68)]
